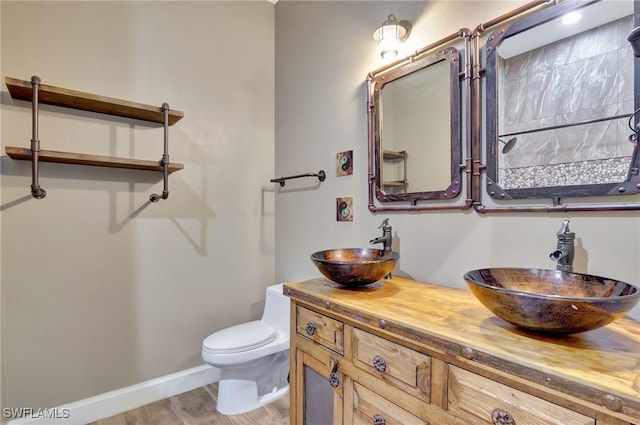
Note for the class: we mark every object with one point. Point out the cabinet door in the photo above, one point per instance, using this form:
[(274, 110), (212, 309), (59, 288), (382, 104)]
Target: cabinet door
[(319, 388)]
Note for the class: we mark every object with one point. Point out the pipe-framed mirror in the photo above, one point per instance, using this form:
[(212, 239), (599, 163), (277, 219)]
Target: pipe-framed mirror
[(415, 129), (560, 102)]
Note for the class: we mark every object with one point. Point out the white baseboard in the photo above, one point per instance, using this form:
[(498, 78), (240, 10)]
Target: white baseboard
[(108, 404)]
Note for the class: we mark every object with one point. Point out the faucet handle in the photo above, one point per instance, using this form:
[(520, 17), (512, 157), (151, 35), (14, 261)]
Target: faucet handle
[(385, 223), (564, 231), (564, 228)]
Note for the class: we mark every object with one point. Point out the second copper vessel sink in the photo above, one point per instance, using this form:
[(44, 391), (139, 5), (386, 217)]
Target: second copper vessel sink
[(552, 301)]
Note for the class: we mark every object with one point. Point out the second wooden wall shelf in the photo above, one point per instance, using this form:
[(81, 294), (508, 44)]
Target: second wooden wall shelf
[(86, 159), (36, 93)]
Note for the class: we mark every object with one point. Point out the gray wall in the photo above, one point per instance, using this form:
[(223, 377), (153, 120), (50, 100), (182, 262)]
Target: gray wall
[(101, 289)]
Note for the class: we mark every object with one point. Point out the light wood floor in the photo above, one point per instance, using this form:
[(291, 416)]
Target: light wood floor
[(198, 407)]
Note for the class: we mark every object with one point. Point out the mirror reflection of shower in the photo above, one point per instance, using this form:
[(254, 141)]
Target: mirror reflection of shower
[(508, 145)]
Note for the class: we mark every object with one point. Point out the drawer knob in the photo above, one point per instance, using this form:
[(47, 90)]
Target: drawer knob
[(379, 363), (502, 417), (378, 420), (334, 380), (311, 328)]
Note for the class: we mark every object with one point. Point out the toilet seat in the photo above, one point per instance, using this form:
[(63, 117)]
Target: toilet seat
[(239, 338)]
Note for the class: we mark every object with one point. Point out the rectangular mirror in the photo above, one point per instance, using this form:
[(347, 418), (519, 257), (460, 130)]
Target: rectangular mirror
[(559, 103), (415, 118)]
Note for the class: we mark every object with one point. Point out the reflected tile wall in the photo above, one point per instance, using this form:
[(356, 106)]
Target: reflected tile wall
[(580, 78)]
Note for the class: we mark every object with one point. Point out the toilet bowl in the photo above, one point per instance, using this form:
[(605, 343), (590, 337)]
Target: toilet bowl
[(253, 357)]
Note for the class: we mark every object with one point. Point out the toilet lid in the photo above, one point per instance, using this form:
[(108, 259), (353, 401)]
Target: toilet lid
[(243, 337)]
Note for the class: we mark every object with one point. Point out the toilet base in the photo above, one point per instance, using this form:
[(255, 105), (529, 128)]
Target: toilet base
[(251, 385), (237, 396)]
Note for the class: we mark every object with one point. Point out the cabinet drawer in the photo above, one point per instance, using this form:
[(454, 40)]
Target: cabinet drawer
[(370, 408), (476, 399), (403, 367), (321, 329)]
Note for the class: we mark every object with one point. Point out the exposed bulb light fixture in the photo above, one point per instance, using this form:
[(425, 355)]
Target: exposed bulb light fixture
[(390, 35)]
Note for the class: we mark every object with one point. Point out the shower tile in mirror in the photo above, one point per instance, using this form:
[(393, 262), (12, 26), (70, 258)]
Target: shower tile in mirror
[(344, 163), (344, 209)]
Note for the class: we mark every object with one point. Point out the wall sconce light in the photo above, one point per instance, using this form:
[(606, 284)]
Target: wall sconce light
[(390, 35)]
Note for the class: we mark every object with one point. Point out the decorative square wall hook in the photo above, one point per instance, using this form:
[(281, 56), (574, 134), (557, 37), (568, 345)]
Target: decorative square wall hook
[(344, 209), (344, 163)]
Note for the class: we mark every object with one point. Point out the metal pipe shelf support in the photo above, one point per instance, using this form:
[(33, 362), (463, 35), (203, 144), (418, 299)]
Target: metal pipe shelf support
[(36, 191), (154, 197)]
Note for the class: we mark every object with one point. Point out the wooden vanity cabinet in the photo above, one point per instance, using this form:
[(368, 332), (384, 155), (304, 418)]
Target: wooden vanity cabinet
[(404, 352)]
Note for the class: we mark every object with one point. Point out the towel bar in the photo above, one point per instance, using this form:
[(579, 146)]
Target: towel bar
[(321, 175)]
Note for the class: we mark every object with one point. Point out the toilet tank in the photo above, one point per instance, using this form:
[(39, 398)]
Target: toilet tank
[(276, 309)]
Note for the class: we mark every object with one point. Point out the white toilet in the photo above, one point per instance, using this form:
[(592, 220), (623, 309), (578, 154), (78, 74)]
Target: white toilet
[(253, 357)]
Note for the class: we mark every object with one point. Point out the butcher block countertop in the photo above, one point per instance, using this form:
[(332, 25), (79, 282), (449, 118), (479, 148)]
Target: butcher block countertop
[(600, 366)]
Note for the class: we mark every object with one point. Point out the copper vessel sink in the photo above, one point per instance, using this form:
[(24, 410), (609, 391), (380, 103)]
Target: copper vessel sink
[(552, 301), (355, 266)]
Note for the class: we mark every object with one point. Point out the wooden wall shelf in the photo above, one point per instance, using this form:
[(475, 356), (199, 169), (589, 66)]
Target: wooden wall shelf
[(95, 160), (36, 92), (51, 95), (396, 156)]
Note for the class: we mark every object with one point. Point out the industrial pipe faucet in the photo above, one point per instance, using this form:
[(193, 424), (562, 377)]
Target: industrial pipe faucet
[(563, 254), (385, 239)]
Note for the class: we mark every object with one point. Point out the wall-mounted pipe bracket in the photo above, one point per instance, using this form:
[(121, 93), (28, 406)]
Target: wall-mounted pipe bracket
[(154, 197), (36, 191)]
